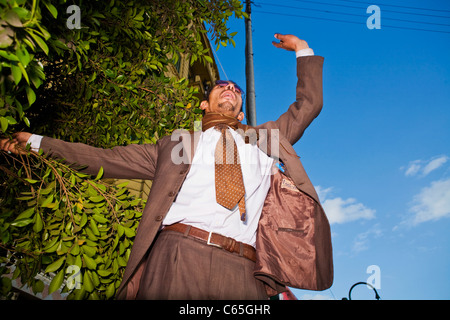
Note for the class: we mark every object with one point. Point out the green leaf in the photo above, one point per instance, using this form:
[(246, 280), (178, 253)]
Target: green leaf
[(129, 233), (11, 120), (93, 227), (23, 56), (97, 198), (38, 286), (90, 263), (5, 284), (209, 59), (51, 244), (22, 222), (24, 72), (90, 251), (83, 221), (26, 214), (120, 230), (75, 250), (16, 73), (38, 224), (22, 12), (56, 282), (31, 96), (9, 56), (41, 43), (100, 219), (55, 265), (104, 273), (109, 73), (4, 123), (52, 9), (110, 291), (99, 174), (87, 282), (47, 201)]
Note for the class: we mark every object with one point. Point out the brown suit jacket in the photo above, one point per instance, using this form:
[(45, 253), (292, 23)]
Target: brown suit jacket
[(293, 239)]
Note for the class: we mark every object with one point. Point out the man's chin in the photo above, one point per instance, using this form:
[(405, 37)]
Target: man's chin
[(227, 106)]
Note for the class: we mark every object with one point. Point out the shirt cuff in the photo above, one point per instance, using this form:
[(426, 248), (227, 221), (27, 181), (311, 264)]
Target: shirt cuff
[(304, 52), (35, 142)]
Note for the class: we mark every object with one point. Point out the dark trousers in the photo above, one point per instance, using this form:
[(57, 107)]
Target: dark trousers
[(180, 267)]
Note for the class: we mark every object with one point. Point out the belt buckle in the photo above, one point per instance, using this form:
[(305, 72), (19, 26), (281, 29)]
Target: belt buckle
[(209, 243)]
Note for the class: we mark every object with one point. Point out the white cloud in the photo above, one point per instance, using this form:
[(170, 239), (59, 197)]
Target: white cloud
[(434, 164), (361, 242), (424, 167), (432, 203), (413, 168), (340, 210)]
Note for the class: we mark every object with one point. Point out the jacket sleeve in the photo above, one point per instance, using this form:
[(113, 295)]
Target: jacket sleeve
[(123, 162), (309, 99)]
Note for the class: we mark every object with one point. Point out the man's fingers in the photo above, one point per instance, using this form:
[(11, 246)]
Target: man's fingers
[(289, 42), (279, 37), (277, 44), (6, 144), (286, 41), (17, 144), (9, 145)]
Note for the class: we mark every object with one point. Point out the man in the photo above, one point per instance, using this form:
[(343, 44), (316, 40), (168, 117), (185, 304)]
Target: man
[(198, 233)]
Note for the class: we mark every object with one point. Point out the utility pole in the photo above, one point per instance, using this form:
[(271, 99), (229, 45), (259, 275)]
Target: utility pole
[(249, 72)]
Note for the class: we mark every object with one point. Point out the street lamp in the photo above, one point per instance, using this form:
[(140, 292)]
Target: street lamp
[(358, 283)]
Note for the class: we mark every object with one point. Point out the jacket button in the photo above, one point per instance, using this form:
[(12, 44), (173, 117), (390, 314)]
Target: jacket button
[(159, 218), (171, 194)]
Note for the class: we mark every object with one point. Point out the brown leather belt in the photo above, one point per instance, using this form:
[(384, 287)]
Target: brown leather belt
[(214, 239)]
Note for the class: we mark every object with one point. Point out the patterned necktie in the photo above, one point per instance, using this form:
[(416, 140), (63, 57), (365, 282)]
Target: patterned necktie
[(228, 174), (230, 189)]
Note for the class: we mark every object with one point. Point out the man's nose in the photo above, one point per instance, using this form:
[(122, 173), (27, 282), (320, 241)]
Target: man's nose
[(230, 86)]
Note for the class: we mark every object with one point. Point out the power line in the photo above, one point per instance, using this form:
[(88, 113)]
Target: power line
[(346, 21), (385, 10), (220, 64), (397, 6), (351, 14)]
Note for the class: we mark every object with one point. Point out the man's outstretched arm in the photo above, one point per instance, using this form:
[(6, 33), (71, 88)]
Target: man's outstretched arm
[(309, 95), (129, 162)]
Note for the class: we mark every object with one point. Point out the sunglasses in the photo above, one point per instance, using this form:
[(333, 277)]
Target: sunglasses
[(223, 83)]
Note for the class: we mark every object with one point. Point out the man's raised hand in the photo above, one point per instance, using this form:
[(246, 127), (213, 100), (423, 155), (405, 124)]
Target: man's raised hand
[(289, 42)]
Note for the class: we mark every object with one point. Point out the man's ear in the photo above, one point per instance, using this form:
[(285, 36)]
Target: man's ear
[(240, 116), (204, 104)]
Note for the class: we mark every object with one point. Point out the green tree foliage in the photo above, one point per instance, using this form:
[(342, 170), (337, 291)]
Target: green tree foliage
[(103, 82)]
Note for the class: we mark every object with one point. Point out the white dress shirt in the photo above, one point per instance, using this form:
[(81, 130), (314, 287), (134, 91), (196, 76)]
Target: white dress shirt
[(196, 203)]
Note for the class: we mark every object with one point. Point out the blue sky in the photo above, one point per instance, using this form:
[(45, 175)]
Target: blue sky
[(378, 154)]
